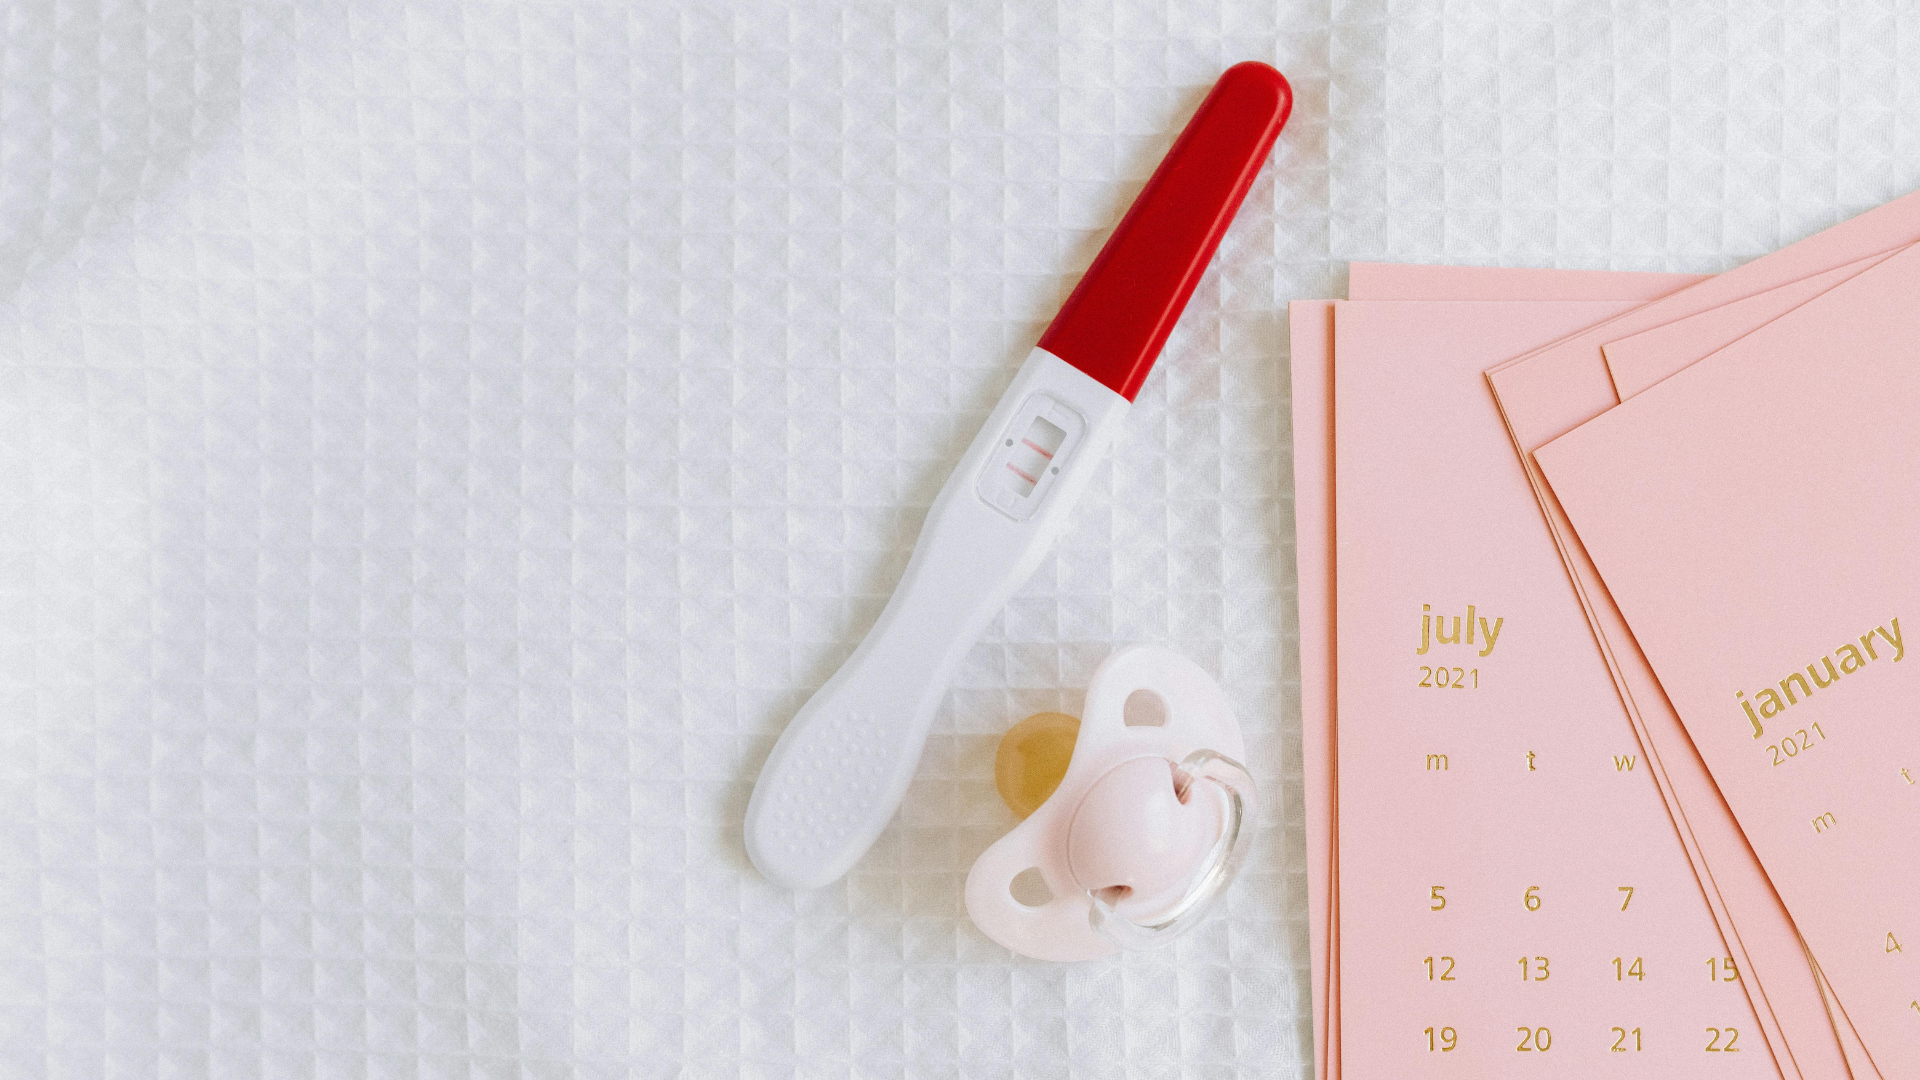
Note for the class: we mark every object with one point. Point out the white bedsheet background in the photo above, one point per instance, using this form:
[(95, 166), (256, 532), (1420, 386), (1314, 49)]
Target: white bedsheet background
[(441, 444)]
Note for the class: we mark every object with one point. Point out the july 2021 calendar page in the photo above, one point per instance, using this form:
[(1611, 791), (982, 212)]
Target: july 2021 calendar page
[(1530, 909)]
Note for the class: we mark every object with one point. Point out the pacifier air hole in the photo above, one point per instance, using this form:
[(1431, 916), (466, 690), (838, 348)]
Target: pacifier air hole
[(1144, 708), (1029, 888)]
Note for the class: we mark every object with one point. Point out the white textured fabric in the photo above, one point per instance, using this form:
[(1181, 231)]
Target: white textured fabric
[(442, 443)]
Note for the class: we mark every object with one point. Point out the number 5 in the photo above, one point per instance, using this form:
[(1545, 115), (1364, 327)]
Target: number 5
[(1439, 901)]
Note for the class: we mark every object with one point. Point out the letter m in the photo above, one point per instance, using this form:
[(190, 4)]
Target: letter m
[(1436, 763), (1823, 822)]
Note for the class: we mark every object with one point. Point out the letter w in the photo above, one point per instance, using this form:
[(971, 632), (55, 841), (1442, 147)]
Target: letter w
[(1624, 764)]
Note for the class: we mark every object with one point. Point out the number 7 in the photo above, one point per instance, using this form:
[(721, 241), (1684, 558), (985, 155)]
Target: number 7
[(1628, 889)]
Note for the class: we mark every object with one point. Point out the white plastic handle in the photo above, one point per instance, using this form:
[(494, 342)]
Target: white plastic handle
[(843, 764)]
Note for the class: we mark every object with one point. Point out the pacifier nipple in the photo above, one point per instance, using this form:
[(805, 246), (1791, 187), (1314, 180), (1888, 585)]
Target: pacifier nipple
[(1032, 758), (1140, 834)]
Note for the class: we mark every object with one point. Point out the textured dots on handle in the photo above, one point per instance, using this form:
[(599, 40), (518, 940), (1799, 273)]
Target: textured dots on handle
[(835, 777)]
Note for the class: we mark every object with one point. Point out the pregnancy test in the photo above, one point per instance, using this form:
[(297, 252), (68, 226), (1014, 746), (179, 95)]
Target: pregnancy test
[(843, 764)]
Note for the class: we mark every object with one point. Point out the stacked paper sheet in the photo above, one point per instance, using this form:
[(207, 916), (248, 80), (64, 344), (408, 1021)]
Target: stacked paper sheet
[(1575, 790)]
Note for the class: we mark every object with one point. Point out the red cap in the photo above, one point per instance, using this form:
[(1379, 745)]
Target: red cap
[(1120, 314)]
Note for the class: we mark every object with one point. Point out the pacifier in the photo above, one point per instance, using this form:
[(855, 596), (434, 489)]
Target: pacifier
[(1146, 828)]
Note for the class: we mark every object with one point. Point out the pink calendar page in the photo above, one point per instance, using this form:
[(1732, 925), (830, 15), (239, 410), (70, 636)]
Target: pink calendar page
[(1547, 393), (1756, 507), (1640, 360), (1636, 363), (1310, 330), (1513, 898), (1310, 334)]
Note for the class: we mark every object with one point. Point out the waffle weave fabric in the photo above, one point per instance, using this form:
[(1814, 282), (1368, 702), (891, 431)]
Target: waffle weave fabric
[(442, 443)]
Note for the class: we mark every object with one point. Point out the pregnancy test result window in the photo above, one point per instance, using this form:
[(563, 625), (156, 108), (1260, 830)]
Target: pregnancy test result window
[(1031, 451)]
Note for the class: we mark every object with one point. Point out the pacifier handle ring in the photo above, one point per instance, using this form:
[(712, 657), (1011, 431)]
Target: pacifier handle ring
[(1223, 861)]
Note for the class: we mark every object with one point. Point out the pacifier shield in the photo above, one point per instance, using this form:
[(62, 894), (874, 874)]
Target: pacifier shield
[(1143, 833)]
